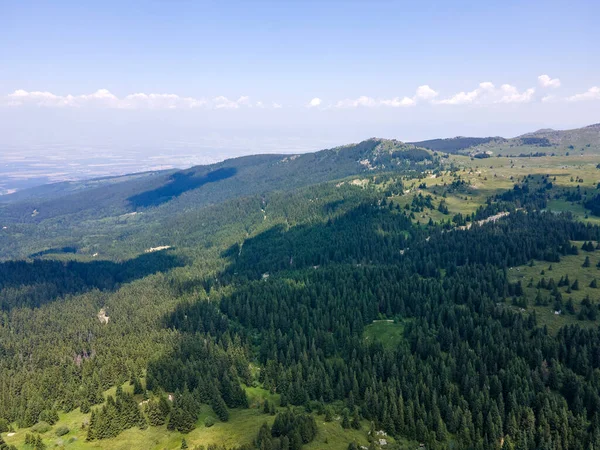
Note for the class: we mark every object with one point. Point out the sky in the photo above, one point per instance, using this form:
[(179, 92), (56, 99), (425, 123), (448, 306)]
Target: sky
[(224, 77)]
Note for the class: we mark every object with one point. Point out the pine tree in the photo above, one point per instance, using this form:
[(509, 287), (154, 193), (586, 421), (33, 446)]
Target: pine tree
[(355, 420), (345, 419), (137, 386)]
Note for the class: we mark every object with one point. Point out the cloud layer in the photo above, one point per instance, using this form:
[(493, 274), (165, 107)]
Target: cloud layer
[(486, 93), (104, 98), (423, 93), (592, 93)]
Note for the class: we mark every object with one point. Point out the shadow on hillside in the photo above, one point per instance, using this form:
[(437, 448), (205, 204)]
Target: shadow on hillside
[(32, 284), (179, 183), (364, 235)]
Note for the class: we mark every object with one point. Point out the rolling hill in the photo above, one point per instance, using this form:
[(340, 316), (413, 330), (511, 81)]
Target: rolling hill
[(374, 295), (585, 139)]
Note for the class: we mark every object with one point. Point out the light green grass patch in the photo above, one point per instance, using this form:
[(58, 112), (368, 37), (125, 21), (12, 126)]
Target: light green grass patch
[(389, 333)]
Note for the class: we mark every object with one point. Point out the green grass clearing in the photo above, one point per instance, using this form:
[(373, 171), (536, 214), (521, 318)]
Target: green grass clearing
[(389, 333)]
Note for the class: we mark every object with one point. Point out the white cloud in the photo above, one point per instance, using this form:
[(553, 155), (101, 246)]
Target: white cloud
[(314, 103), (398, 102), (224, 103), (159, 101), (426, 93), (370, 102), (105, 99), (463, 98), (546, 81), (21, 97), (276, 105), (423, 92), (512, 95), (592, 93), (360, 101)]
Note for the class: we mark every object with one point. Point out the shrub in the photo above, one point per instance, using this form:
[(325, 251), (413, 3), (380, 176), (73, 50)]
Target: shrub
[(41, 427), (61, 431), (209, 422)]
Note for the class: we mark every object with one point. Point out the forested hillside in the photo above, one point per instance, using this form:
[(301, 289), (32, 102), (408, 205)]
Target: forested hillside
[(376, 295)]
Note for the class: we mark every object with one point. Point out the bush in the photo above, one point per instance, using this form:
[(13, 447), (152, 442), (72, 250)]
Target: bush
[(61, 431), (209, 422), (41, 427)]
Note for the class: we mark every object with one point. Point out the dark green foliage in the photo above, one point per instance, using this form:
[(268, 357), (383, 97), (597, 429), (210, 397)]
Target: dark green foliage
[(179, 183), (156, 415), (184, 413), (49, 415), (297, 429), (588, 246), (443, 207), (539, 141), (137, 386), (454, 145), (593, 204), (293, 312), (119, 413), (31, 284), (345, 419)]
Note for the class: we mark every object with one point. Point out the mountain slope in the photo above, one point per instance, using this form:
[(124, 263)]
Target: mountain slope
[(397, 302), (585, 139), (213, 183)]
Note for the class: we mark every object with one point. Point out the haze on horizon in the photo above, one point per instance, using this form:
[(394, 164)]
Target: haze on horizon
[(117, 87)]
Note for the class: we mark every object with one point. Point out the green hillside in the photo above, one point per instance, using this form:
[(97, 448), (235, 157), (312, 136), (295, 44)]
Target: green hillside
[(374, 295)]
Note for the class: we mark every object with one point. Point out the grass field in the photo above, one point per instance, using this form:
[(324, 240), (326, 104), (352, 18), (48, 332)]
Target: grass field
[(492, 176), (572, 266)]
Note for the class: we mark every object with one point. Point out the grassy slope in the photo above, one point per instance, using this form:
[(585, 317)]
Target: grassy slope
[(241, 428), (495, 175), (571, 266)]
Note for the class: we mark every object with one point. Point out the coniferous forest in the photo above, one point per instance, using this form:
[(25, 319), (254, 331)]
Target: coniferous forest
[(286, 305)]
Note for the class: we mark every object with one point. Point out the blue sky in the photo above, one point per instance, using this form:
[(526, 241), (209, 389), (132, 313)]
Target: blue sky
[(293, 74)]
